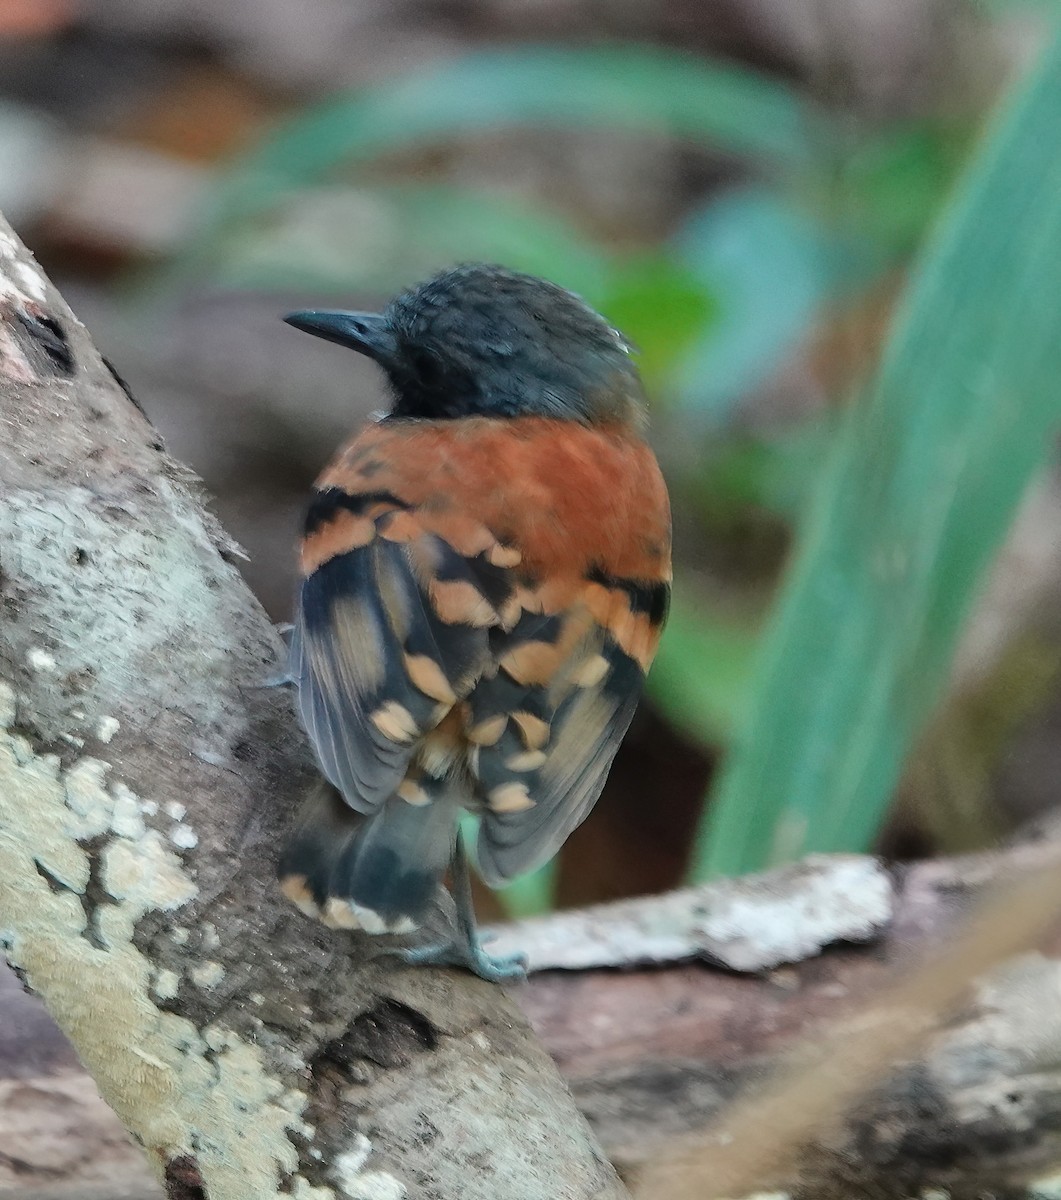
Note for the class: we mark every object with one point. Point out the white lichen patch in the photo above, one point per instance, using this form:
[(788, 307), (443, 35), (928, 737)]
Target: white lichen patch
[(207, 974), (355, 1183), (146, 873), (127, 818), (184, 837), (90, 806), (1047, 1187), (106, 728), (148, 590), (755, 923), (218, 1039), (33, 282), (175, 810), (38, 659), (167, 984), (793, 915), (991, 1067), (305, 1191), (29, 272), (155, 1068)]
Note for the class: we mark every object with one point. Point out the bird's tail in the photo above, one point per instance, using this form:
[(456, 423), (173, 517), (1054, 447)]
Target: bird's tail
[(379, 873)]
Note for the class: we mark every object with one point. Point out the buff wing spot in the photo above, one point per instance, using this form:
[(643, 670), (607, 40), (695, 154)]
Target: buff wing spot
[(590, 673), (534, 730), (412, 793), (528, 760), (395, 722), (458, 602), (510, 798), (488, 732), (429, 678)]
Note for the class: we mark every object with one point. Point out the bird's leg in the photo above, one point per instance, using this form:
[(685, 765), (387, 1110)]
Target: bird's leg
[(465, 949), (495, 967)]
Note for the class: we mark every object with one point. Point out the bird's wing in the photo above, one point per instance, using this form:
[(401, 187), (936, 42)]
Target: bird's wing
[(514, 570), (551, 719), (394, 608)]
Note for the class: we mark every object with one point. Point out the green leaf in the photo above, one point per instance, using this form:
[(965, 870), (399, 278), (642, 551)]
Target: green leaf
[(620, 87), (624, 87), (921, 490)]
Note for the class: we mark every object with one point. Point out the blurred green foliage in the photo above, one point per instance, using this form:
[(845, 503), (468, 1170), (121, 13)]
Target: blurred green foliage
[(921, 489), (620, 87), (899, 531)]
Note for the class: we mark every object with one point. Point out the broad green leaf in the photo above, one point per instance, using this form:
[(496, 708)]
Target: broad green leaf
[(619, 87), (920, 492)]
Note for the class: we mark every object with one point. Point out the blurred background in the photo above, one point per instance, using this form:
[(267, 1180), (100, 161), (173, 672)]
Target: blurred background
[(747, 189)]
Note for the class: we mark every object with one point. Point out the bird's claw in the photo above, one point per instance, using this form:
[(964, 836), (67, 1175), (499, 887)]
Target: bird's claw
[(506, 968)]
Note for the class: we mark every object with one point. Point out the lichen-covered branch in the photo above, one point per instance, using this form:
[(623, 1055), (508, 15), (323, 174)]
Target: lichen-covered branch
[(751, 923), (655, 1054), (146, 778)]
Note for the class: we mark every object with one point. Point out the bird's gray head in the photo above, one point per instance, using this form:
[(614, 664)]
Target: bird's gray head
[(481, 340)]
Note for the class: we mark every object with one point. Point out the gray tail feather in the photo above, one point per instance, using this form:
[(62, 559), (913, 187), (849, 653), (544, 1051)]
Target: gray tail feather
[(380, 872)]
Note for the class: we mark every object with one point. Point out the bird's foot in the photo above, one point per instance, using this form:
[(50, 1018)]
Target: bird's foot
[(506, 968)]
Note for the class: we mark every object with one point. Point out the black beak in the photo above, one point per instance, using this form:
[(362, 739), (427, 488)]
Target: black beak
[(367, 333)]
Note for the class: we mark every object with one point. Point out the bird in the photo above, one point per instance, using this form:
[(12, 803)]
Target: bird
[(484, 577)]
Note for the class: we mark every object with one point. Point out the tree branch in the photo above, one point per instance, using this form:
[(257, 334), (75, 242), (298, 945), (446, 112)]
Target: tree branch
[(655, 1054), (146, 777)]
